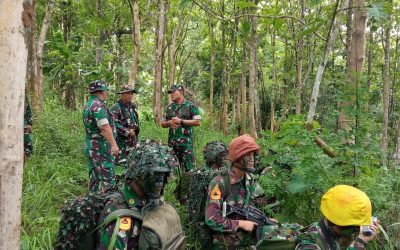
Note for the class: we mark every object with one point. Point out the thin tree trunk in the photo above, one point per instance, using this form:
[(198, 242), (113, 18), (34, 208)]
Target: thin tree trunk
[(158, 62), (212, 68), (243, 91), (134, 5), (329, 45), (252, 75), (39, 89), (274, 81), (102, 34), (225, 91), (299, 62), (369, 66), (386, 97), (13, 52), (172, 59), (29, 19)]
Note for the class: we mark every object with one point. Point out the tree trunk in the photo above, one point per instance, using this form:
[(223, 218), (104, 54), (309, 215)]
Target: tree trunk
[(39, 85), (225, 91), (299, 62), (274, 81), (252, 74), (386, 97), (102, 34), (158, 62), (356, 62), (172, 59), (335, 23), (212, 68), (136, 41), (29, 19), (13, 52), (243, 91)]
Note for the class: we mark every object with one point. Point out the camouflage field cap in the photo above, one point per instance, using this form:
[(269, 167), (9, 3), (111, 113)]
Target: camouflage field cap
[(150, 157), (127, 89), (97, 86), (213, 150), (175, 87)]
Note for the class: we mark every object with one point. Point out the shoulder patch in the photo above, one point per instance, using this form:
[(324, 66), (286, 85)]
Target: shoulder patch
[(125, 223), (215, 193)]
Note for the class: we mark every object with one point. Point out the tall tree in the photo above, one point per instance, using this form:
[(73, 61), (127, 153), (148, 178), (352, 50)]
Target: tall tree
[(356, 63), (252, 71), (243, 91), (158, 61), (13, 52), (134, 6), (386, 88), (225, 91), (212, 66), (299, 61), (334, 28), (35, 51)]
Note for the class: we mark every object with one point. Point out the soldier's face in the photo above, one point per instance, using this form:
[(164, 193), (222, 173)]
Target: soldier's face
[(176, 95), (153, 185), (127, 97)]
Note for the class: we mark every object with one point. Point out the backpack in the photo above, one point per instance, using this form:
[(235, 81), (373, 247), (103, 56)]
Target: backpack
[(281, 237), (79, 218), (199, 182)]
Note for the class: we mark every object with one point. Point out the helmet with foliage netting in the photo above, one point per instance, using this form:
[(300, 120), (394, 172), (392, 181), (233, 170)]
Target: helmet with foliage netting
[(150, 157), (213, 152)]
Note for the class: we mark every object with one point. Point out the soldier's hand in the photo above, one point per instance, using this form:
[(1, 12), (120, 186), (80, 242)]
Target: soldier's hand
[(114, 150), (176, 120), (29, 128), (172, 124), (132, 134), (247, 225)]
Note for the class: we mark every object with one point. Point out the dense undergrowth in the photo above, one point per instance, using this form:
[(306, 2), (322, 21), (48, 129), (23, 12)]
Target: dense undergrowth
[(300, 173)]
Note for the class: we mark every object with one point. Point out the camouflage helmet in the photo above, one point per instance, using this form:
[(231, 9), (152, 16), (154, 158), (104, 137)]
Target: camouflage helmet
[(212, 152), (98, 85), (150, 157)]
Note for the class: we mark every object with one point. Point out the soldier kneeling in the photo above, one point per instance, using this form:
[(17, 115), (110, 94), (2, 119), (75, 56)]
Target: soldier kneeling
[(137, 216)]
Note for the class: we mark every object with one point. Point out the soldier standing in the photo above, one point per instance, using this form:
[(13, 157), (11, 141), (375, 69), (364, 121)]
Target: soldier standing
[(100, 145), (28, 145), (180, 116), (230, 233), (137, 216), (126, 120)]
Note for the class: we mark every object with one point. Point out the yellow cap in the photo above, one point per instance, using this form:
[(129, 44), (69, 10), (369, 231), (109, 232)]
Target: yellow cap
[(345, 205)]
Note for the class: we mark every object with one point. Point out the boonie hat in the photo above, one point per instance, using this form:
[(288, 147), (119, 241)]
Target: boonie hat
[(175, 87), (97, 86), (126, 89)]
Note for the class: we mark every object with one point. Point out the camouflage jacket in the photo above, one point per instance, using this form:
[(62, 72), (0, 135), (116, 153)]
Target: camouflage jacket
[(183, 135), (96, 114), (127, 235), (27, 113), (125, 118), (318, 236), (241, 194)]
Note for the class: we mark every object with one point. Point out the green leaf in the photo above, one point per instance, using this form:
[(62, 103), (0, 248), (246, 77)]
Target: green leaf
[(297, 186), (277, 23), (378, 12), (245, 4), (314, 2), (246, 27), (185, 3)]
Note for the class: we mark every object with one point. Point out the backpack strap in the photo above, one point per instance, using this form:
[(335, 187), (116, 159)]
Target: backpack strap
[(227, 184), (122, 213)]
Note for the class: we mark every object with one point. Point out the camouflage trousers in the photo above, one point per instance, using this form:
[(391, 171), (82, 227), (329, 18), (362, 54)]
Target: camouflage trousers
[(28, 143), (238, 240), (185, 155), (101, 170)]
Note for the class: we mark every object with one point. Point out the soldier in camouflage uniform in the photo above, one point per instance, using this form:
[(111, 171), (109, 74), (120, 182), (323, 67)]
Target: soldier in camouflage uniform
[(180, 116), (232, 233), (126, 120), (149, 165), (215, 154), (28, 145), (347, 212), (100, 145)]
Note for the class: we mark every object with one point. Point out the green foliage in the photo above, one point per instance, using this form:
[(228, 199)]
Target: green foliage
[(301, 173)]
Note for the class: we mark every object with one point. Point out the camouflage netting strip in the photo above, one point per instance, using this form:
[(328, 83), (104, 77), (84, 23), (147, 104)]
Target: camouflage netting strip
[(78, 218)]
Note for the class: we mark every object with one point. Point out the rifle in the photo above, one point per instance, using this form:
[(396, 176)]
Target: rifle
[(249, 213)]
